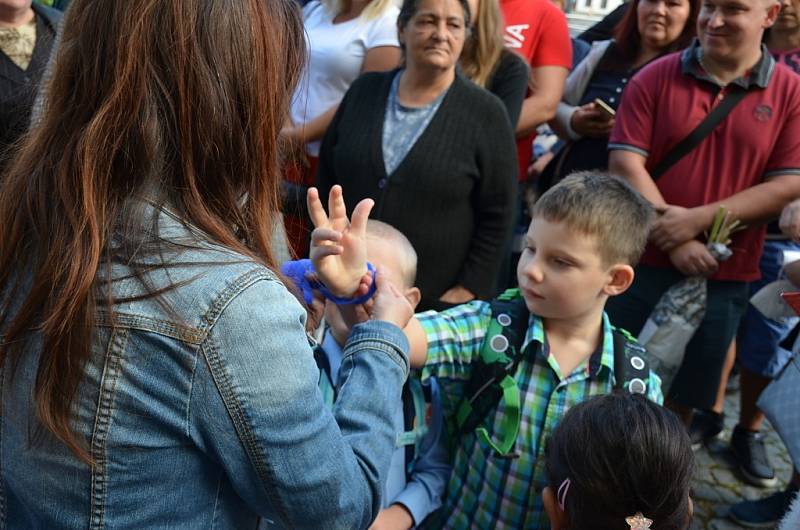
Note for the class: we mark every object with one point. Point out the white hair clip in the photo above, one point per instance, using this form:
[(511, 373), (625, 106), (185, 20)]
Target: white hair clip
[(639, 522)]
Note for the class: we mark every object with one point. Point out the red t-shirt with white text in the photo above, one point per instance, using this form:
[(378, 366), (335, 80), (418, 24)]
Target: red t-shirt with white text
[(536, 30)]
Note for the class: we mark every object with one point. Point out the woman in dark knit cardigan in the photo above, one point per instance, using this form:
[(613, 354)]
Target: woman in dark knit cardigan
[(434, 151)]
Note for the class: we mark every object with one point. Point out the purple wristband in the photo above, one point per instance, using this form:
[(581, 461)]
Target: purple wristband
[(338, 300), (297, 270)]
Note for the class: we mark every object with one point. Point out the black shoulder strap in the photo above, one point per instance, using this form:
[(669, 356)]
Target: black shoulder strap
[(409, 414), (510, 311), (631, 370), (693, 139), (321, 359), (326, 380)]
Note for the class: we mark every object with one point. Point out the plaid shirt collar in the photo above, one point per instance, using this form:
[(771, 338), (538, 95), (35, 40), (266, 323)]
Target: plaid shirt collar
[(603, 356), (759, 76)]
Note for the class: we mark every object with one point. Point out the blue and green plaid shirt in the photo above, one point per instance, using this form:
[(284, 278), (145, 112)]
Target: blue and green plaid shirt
[(485, 489)]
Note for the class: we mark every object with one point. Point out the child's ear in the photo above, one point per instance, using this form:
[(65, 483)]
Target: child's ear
[(620, 277), (557, 516), (413, 295), (772, 16)]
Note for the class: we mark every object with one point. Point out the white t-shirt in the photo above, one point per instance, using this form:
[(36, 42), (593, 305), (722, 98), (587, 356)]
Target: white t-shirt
[(336, 54)]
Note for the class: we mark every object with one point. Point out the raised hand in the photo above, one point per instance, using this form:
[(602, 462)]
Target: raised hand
[(339, 246)]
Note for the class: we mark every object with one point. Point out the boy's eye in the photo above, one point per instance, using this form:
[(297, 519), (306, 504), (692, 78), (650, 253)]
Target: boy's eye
[(562, 262)]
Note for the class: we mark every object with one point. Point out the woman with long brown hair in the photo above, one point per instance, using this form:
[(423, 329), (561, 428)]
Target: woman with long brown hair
[(486, 62), (154, 370)]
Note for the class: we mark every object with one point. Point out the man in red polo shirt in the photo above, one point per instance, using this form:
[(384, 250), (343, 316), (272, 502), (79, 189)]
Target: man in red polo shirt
[(750, 164), (537, 31)]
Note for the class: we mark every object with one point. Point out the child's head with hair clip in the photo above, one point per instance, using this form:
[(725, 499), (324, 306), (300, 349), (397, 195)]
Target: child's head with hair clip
[(621, 462)]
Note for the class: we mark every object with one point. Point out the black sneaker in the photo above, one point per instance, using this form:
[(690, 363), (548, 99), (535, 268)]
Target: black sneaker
[(763, 513), (751, 454), (705, 426)]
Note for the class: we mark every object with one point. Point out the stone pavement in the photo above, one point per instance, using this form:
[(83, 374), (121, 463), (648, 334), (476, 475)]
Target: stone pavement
[(717, 483)]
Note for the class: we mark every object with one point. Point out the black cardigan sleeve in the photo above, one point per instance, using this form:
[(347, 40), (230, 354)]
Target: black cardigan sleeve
[(326, 173), (494, 203), (510, 83)]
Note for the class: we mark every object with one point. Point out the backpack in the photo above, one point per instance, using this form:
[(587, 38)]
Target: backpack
[(416, 399), (493, 375)]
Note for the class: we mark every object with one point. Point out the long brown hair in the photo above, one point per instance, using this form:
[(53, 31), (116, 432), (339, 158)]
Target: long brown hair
[(484, 47), (629, 40), (183, 96)]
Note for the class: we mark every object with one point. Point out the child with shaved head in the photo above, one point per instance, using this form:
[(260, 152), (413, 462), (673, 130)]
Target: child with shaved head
[(419, 468)]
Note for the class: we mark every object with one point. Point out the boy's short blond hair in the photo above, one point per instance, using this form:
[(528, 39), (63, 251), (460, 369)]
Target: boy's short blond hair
[(602, 206), (381, 231)]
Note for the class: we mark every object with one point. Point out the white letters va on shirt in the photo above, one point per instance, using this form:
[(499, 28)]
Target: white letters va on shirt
[(514, 37)]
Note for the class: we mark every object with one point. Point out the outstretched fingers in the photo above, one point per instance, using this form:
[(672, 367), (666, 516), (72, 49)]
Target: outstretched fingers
[(315, 209), (325, 236), (336, 207), (325, 242), (358, 224), (325, 250)]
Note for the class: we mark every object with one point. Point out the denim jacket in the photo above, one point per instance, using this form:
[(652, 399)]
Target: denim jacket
[(204, 411)]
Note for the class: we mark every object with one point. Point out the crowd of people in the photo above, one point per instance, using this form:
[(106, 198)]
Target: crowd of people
[(282, 264)]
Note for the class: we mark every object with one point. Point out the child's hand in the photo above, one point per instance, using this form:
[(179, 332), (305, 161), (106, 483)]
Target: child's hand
[(389, 303), (339, 247)]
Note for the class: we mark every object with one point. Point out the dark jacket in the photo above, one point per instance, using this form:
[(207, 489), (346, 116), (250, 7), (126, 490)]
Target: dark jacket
[(18, 87), (452, 195)]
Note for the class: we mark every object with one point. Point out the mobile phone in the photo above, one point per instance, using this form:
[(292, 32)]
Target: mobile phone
[(605, 107), (792, 300)]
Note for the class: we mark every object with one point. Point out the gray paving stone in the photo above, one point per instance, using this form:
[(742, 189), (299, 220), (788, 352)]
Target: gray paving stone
[(717, 483)]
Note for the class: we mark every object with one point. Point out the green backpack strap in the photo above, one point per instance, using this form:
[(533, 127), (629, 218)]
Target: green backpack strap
[(492, 378), (631, 369), (509, 427)]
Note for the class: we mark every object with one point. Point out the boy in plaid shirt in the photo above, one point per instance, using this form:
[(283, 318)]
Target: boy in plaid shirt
[(586, 235)]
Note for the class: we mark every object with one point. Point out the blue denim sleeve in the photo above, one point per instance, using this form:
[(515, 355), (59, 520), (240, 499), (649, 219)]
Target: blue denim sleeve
[(423, 493), (257, 410)]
